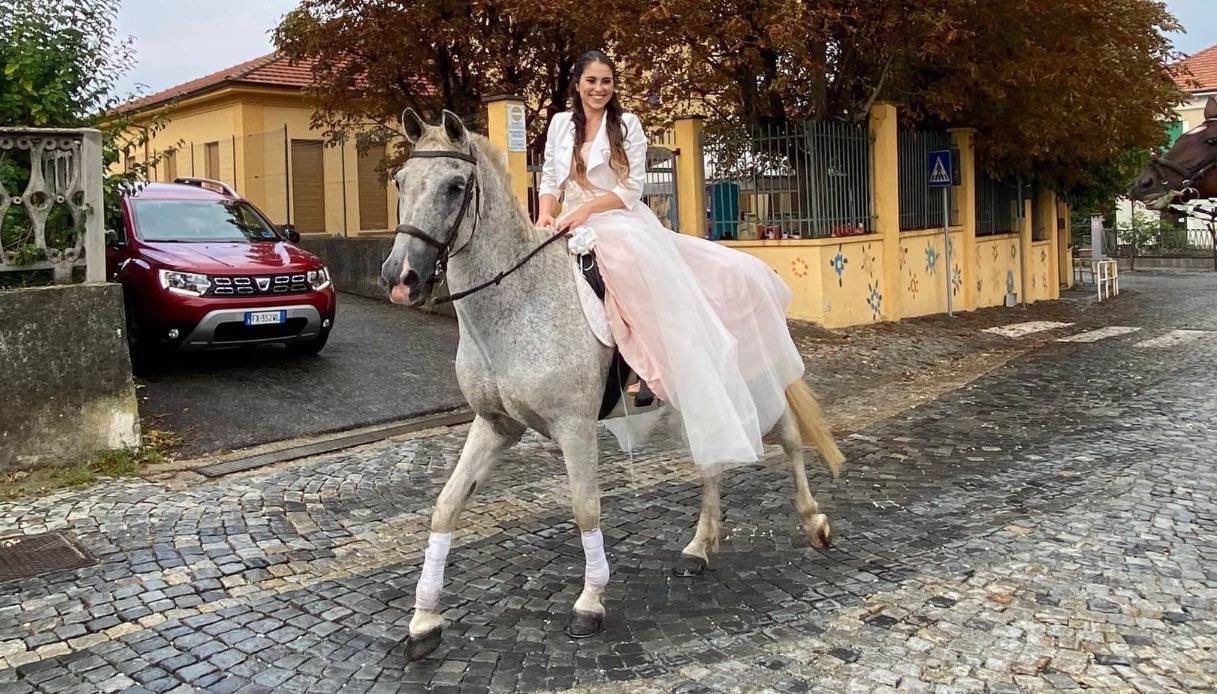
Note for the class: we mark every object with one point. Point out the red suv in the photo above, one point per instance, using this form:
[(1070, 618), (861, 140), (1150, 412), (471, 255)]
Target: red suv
[(202, 268)]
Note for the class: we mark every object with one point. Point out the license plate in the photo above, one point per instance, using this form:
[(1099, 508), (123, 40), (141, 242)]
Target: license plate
[(265, 317)]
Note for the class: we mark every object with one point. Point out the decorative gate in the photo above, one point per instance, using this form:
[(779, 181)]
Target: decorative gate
[(659, 192)]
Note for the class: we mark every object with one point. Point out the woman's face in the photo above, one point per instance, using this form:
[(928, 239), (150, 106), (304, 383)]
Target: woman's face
[(596, 86)]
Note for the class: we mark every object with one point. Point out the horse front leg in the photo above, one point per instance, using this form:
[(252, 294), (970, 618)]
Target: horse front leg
[(578, 445), (483, 444), (695, 557)]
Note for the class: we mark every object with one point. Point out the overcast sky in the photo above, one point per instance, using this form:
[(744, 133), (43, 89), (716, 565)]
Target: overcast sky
[(178, 40)]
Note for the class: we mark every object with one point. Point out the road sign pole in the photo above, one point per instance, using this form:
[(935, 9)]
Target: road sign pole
[(946, 244)]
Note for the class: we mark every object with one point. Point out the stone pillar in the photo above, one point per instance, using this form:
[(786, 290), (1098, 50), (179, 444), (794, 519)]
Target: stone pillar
[(1047, 205), (690, 175), (965, 141), (885, 200), (1025, 231), (1064, 257), (500, 111)]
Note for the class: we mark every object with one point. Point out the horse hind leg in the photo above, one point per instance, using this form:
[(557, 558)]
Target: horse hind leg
[(815, 524), (695, 557), (483, 444)]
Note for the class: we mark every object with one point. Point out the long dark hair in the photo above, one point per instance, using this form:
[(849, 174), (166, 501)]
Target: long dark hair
[(619, 162)]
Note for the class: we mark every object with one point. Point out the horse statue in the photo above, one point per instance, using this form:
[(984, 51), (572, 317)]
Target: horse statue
[(527, 358), (1187, 172)]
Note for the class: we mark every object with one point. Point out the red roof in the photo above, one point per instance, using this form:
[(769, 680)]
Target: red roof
[(1203, 69), (273, 70)]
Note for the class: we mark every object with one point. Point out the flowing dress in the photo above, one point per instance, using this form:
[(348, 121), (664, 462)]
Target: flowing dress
[(703, 324)]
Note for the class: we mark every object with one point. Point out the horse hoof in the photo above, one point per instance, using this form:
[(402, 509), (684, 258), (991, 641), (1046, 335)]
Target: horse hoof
[(690, 565), (584, 624), (419, 647), (819, 531)]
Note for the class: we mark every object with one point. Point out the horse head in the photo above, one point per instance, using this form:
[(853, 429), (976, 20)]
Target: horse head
[(436, 186), (1187, 171)]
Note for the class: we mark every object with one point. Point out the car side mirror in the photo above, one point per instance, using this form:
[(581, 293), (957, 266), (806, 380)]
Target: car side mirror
[(113, 238), (290, 232)]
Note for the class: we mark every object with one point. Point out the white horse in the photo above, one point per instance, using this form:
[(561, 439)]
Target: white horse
[(527, 359)]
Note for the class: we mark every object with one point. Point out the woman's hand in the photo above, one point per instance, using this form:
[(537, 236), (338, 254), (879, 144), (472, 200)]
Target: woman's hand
[(545, 220), (576, 218)]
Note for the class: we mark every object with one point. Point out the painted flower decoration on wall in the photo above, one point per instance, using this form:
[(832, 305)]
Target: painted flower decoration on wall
[(838, 266), (868, 261), (799, 267), (913, 285), (956, 280), (931, 258), (874, 299)]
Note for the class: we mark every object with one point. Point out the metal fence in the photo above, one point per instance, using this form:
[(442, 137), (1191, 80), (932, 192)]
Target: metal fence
[(998, 210), (51, 206), (802, 180), (920, 205)]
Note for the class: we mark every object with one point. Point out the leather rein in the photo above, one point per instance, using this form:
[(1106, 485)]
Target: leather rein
[(473, 192)]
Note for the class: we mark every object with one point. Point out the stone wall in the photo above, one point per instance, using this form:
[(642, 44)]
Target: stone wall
[(354, 265), (66, 372)]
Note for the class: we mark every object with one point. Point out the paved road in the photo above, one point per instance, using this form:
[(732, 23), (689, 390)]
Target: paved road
[(1052, 524), (382, 363)]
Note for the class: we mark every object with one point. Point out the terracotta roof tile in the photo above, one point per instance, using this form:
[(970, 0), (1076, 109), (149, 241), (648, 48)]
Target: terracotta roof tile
[(1203, 69), (272, 69)]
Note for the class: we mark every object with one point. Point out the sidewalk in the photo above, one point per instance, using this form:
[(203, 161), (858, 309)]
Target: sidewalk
[(1003, 531)]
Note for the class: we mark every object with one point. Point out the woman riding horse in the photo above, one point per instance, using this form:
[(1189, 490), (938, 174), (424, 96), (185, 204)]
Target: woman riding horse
[(704, 324)]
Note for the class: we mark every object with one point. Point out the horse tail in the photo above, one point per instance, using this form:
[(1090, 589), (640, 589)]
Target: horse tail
[(813, 429)]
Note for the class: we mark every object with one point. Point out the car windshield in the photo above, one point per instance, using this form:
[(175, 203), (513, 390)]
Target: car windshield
[(200, 220)]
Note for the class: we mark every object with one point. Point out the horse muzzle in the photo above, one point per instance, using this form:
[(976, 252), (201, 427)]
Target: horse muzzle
[(403, 283)]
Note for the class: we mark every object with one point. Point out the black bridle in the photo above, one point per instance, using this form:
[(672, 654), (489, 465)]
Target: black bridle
[(473, 192), (1188, 179)]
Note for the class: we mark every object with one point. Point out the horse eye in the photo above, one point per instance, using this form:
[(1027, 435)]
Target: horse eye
[(455, 187)]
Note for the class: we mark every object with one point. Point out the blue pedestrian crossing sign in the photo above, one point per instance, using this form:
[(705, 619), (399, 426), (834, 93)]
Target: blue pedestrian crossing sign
[(938, 163)]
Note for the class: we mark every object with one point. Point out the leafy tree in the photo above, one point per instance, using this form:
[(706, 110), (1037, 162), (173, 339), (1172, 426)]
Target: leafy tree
[(60, 62), (1059, 89), (1062, 90), (371, 60)]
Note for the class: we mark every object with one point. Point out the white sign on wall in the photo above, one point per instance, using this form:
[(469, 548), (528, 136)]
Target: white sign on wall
[(517, 137)]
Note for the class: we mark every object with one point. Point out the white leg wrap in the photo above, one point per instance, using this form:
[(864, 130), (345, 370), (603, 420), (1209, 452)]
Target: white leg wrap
[(431, 582), (595, 564)]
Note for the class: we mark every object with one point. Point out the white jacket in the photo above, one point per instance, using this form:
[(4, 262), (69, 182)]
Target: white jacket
[(560, 151)]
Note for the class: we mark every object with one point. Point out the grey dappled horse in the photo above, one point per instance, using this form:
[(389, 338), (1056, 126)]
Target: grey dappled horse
[(527, 358)]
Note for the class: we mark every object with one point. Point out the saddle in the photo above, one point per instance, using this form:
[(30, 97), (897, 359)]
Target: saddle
[(619, 373)]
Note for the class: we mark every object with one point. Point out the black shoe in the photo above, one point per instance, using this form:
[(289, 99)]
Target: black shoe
[(645, 397)]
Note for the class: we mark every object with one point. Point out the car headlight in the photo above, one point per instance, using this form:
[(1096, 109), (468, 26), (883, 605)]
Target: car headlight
[(190, 283), (319, 278)]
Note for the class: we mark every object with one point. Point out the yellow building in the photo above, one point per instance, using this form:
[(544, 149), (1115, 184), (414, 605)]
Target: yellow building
[(249, 126)]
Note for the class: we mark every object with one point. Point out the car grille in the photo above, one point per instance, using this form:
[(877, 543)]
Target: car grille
[(252, 285)]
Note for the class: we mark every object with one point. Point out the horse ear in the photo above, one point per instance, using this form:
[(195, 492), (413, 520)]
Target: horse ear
[(454, 128), (1210, 109), (412, 125)]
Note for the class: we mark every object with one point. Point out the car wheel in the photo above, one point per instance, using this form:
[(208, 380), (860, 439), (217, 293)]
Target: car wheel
[(309, 347), (144, 351)]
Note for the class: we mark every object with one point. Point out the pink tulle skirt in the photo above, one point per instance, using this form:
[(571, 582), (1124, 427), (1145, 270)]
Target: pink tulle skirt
[(703, 324)]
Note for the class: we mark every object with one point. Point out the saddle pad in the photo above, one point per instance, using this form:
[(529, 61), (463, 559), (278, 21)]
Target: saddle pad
[(591, 298)]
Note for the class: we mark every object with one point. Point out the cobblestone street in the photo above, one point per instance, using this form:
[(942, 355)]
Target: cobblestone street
[(1044, 520)]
